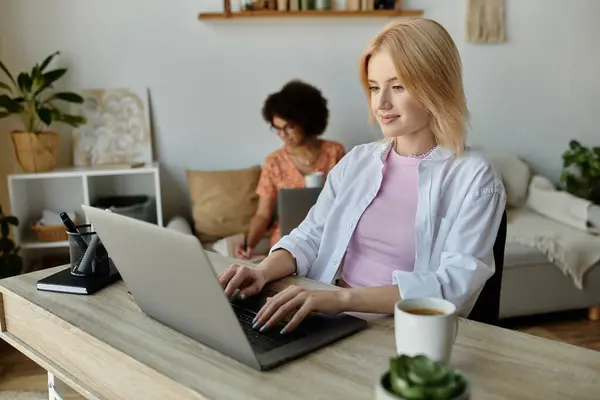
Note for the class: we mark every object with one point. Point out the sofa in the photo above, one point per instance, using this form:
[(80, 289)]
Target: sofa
[(533, 285), (223, 203)]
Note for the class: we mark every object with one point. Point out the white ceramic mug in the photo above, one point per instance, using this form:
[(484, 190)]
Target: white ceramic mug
[(314, 180), (431, 335)]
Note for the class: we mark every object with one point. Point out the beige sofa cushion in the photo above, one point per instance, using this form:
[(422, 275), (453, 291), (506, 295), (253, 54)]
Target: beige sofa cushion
[(223, 202), (515, 174)]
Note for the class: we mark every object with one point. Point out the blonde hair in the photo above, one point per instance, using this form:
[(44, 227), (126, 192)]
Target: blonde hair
[(428, 65)]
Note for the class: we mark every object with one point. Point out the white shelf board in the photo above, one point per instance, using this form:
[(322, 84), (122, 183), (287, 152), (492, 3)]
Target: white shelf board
[(87, 171)]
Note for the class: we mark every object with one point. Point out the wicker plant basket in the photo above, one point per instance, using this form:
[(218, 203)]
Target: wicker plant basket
[(36, 152), (54, 233)]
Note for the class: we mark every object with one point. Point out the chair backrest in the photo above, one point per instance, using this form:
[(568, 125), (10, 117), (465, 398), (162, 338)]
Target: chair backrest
[(487, 306)]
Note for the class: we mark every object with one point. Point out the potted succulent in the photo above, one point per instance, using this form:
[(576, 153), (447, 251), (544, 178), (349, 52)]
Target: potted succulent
[(420, 378), (11, 262), (29, 96), (581, 171)]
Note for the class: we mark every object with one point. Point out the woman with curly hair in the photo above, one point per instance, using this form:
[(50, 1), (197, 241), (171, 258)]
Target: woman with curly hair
[(298, 114)]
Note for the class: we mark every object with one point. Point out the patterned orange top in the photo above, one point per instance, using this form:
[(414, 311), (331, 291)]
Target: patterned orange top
[(279, 172)]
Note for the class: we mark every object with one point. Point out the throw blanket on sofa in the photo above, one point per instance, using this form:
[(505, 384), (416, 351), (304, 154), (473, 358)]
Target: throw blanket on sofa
[(556, 223)]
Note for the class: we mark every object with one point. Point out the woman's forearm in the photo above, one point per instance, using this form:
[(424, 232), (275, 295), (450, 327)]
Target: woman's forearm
[(277, 265), (377, 300)]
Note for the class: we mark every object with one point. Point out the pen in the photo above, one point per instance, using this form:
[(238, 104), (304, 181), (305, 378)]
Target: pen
[(72, 228)]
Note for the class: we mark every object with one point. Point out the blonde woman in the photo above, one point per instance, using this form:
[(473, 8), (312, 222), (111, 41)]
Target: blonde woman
[(414, 215)]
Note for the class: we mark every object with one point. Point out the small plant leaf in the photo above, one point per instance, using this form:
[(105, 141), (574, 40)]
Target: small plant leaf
[(66, 96), (574, 145), (6, 245), (73, 120), (52, 76), (3, 68), (5, 86), (37, 78), (45, 115), (11, 105), (11, 220), (48, 60), (35, 72), (25, 82)]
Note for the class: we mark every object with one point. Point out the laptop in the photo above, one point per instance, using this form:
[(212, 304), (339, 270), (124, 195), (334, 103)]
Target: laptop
[(173, 281), (293, 206)]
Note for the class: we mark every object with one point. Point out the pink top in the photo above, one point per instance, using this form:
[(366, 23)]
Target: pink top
[(384, 239)]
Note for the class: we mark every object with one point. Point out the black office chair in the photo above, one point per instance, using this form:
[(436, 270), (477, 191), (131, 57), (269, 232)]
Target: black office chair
[(487, 306)]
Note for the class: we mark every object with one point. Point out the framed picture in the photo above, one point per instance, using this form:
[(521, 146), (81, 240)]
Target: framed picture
[(118, 128)]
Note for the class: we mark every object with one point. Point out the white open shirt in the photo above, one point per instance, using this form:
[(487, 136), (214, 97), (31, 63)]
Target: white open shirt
[(460, 205)]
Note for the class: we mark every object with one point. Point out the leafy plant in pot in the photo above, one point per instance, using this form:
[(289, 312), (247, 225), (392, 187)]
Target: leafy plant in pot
[(581, 171), (30, 97), (11, 262), (420, 378)]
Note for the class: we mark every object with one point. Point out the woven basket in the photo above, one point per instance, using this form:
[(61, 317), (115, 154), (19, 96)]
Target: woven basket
[(53, 233), (36, 152)]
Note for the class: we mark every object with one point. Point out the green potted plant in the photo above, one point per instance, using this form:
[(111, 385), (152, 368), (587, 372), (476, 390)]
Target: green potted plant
[(581, 171), (420, 378), (11, 262), (30, 97)]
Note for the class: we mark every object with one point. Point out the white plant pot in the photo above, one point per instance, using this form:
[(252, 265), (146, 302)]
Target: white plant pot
[(381, 393)]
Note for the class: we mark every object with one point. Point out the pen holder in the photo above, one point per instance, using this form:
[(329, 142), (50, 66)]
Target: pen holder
[(87, 253)]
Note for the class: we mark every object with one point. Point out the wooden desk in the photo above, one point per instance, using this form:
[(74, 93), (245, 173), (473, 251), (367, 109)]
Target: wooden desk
[(105, 348)]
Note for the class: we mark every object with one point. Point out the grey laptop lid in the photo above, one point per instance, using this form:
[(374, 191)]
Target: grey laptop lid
[(172, 280), (293, 205)]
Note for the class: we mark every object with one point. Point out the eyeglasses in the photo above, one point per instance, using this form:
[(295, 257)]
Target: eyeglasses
[(286, 130)]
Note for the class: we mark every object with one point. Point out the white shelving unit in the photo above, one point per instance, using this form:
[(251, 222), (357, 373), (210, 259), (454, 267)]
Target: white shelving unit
[(67, 189)]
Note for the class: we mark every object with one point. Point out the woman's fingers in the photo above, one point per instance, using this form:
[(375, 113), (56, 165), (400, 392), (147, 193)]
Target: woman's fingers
[(226, 276), (236, 282), (300, 315), (284, 310), (273, 304), (250, 290)]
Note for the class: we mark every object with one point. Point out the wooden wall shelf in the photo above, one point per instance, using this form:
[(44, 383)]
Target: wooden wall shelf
[(310, 14)]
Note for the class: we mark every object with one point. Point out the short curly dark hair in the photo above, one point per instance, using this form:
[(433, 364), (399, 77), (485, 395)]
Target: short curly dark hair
[(300, 103)]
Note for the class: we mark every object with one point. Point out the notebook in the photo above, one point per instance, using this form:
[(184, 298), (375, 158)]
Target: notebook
[(64, 282)]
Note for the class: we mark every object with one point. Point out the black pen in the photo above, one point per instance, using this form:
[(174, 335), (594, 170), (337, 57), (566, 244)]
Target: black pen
[(72, 228)]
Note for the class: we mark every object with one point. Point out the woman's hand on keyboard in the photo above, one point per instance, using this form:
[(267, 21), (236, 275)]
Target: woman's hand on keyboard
[(296, 302), (249, 281)]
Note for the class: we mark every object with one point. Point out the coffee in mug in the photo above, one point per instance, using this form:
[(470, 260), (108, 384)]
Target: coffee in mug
[(424, 311), (425, 326)]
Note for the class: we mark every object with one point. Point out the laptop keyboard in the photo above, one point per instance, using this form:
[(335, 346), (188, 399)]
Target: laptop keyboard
[(267, 340)]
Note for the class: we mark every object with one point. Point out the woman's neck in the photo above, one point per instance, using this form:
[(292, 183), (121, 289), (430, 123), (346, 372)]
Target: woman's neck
[(416, 143), (310, 145)]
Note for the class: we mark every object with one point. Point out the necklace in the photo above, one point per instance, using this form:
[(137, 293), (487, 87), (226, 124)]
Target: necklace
[(424, 155), (418, 156)]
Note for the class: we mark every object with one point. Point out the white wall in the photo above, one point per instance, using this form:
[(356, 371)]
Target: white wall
[(208, 79)]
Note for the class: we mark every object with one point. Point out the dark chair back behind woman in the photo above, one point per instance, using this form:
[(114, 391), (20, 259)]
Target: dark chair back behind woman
[(487, 307)]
